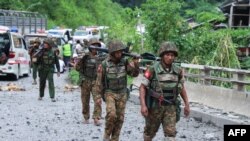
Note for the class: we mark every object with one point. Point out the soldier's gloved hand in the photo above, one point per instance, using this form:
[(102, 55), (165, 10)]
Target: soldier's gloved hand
[(144, 111), (99, 101), (58, 74)]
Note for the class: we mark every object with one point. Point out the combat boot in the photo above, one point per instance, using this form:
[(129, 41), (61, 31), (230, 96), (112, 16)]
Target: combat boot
[(106, 138), (97, 122), (86, 121), (34, 82), (169, 139), (147, 138)]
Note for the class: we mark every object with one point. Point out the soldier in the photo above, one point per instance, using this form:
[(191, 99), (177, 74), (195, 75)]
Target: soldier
[(85, 46), (46, 62), (166, 79), (87, 67), (112, 76), (33, 49)]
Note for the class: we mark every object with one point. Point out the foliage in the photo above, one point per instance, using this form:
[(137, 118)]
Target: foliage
[(74, 77), (130, 3), (225, 54), (126, 31), (162, 20), (245, 63), (71, 13)]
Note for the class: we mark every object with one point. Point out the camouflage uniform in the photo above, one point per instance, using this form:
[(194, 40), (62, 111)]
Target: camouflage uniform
[(46, 61), (33, 49), (169, 83), (113, 78), (87, 67)]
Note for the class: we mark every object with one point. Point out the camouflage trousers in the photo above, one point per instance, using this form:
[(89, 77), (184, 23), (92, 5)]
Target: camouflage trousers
[(165, 115), (115, 109), (87, 87)]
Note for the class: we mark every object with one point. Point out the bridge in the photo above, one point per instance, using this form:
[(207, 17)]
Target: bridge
[(225, 91)]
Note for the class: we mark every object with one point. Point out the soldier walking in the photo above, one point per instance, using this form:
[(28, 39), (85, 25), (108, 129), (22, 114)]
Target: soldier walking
[(87, 67), (46, 60), (33, 49), (112, 76), (166, 79)]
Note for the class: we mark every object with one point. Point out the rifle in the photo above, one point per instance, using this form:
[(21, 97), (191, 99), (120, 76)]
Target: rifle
[(156, 95), (39, 51), (145, 55)]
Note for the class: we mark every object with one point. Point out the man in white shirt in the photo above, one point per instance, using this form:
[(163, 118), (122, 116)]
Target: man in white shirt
[(61, 64)]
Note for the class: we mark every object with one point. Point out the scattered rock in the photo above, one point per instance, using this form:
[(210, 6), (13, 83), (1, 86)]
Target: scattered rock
[(28, 122)]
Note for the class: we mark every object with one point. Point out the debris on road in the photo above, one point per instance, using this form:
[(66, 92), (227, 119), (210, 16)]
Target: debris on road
[(11, 87)]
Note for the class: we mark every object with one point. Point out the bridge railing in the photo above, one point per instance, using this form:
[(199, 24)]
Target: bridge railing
[(237, 79)]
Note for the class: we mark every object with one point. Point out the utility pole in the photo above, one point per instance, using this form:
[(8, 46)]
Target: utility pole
[(141, 32)]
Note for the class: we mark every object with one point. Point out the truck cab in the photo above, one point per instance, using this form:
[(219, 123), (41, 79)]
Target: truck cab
[(14, 57)]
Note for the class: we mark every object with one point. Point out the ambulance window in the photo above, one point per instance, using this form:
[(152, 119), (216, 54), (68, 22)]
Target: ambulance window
[(17, 42)]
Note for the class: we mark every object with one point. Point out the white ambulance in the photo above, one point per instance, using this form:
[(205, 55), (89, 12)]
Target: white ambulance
[(14, 57)]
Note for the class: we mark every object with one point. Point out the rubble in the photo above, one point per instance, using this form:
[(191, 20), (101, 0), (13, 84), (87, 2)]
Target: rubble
[(11, 87)]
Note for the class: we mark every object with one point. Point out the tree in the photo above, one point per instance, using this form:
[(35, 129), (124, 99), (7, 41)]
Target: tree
[(163, 21)]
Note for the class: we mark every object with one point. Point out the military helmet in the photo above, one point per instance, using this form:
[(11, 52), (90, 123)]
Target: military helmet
[(115, 45), (168, 47), (93, 41), (37, 40), (49, 41)]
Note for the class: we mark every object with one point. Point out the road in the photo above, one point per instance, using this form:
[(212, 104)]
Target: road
[(23, 117)]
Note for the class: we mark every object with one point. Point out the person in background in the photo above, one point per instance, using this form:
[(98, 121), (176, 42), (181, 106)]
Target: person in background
[(46, 62), (67, 53), (78, 48), (73, 61), (61, 64), (85, 46), (33, 49)]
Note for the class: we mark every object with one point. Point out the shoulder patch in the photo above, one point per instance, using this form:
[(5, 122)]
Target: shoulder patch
[(148, 74)]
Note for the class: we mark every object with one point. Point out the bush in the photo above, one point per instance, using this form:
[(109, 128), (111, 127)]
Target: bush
[(74, 77)]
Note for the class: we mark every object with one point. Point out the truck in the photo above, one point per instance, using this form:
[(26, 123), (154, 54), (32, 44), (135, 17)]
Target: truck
[(23, 22)]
